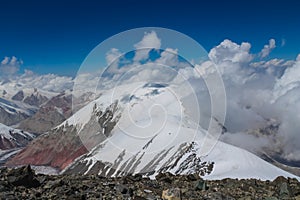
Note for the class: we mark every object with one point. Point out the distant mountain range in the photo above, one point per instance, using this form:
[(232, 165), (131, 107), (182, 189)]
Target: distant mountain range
[(145, 132)]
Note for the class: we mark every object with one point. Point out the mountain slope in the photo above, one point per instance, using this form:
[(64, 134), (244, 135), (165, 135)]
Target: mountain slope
[(12, 112), (49, 115), (20, 100), (224, 161), (12, 141), (144, 130), (12, 138)]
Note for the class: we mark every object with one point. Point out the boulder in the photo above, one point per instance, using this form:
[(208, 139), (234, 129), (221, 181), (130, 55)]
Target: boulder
[(171, 194)]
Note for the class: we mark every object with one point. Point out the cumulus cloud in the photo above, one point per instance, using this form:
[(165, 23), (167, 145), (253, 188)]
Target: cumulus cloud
[(89, 83), (169, 57), (246, 141), (232, 60), (232, 52), (149, 41), (5, 61), (289, 80), (287, 108), (49, 83), (125, 70), (112, 56), (258, 91), (274, 66), (10, 66), (268, 48), (46, 82), (112, 60), (250, 86)]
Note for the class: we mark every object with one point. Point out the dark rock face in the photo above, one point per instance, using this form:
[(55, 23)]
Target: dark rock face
[(43, 120), (19, 139), (35, 99), (61, 146), (12, 113), (19, 96), (122, 167), (23, 176), (11, 119), (23, 183), (49, 115)]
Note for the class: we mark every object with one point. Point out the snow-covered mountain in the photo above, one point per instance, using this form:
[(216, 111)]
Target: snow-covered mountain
[(50, 114), (140, 129), (30, 104), (12, 141), (12, 138), (19, 101), (33, 88), (30, 96), (12, 112)]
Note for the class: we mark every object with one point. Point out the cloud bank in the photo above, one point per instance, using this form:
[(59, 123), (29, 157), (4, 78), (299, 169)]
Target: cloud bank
[(268, 48), (259, 91), (10, 66)]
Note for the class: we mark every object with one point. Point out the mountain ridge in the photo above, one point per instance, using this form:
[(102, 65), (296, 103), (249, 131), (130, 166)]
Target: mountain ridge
[(102, 138)]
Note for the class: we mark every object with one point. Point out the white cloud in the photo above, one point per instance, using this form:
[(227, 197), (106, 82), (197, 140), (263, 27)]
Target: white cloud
[(246, 141), (46, 82), (268, 48), (112, 56), (86, 82), (152, 72), (149, 41), (283, 42), (169, 57), (258, 91), (231, 59), (113, 60), (10, 66), (289, 80), (5, 60), (28, 73), (159, 69), (232, 52), (274, 66)]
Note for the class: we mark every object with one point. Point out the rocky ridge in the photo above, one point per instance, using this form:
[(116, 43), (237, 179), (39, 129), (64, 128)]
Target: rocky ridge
[(11, 138), (49, 115), (24, 183)]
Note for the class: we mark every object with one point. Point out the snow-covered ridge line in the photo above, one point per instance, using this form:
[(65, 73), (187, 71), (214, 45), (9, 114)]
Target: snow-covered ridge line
[(142, 138), (130, 149), (11, 138)]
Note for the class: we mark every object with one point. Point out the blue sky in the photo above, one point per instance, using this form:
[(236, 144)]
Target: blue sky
[(56, 36)]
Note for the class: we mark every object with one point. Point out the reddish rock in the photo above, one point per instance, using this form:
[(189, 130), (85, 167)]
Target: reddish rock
[(56, 149)]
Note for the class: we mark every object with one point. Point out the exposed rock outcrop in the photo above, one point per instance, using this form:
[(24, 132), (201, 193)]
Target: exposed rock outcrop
[(61, 146), (57, 149), (23, 183), (49, 115), (13, 138)]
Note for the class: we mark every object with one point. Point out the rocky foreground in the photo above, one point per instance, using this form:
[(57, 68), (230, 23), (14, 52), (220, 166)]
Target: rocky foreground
[(23, 183)]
